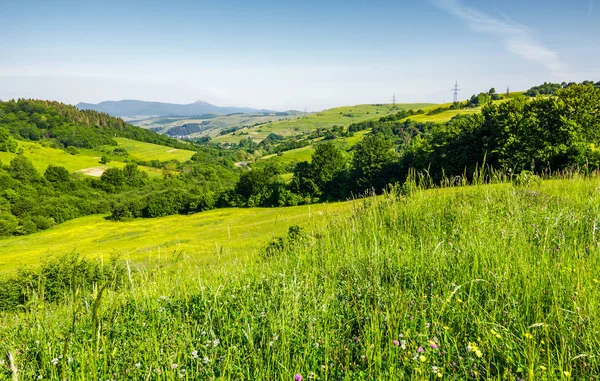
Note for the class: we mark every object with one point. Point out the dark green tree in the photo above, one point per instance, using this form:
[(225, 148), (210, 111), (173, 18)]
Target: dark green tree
[(7, 143), (56, 174), (302, 183), (21, 168), (112, 179), (372, 162), (328, 162)]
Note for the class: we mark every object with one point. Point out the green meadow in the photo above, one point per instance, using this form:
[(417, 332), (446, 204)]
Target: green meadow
[(148, 151), (42, 156), (486, 282), (203, 237), (214, 125), (444, 116)]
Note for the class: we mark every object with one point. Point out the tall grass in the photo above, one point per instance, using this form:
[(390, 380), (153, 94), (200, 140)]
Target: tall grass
[(496, 281)]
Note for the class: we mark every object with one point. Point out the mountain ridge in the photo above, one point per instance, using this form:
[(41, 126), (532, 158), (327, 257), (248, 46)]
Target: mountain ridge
[(136, 108)]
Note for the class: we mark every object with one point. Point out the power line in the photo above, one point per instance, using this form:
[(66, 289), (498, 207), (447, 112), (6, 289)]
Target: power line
[(394, 100), (455, 91)]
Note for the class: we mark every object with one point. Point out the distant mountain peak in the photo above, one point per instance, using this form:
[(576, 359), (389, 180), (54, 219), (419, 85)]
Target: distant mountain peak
[(134, 108)]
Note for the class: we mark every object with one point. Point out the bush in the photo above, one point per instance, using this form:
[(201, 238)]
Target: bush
[(54, 280), (72, 150), (295, 236), (7, 143), (526, 179)]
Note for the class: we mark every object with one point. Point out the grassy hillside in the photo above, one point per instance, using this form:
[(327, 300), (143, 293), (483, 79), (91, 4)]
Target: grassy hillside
[(444, 116), (204, 237), (341, 116), (148, 151), (42, 156), (485, 282)]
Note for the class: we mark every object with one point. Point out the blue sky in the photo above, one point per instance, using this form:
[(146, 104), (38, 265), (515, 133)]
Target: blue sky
[(290, 54)]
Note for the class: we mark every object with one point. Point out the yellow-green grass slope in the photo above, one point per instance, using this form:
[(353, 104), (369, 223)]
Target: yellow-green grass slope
[(204, 237), (480, 283), (148, 151), (41, 157)]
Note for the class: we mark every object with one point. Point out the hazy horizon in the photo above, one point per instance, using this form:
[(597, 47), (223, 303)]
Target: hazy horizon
[(291, 55)]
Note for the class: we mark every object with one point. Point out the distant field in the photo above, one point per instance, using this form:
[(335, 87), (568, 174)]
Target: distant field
[(149, 151), (291, 156), (212, 125), (447, 115), (341, 116), (444, 116), (206, 237), (305, 153), (41, 157)]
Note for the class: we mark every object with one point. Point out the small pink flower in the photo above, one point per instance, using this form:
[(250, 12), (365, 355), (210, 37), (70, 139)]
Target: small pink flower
[(420, 350), (396, 342), (298, 377), (433, 345)]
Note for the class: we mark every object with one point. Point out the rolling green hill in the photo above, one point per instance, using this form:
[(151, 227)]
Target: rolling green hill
[(148, 151), (304, 153), (28, 119), (42, 156), (224, 234), (431, 279), (341, 116), (211, 125)]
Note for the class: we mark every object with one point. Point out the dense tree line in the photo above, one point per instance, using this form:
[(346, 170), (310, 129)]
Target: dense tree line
[(540, 134), (30, 201), (548, 88), (361, 126), (35, 120)]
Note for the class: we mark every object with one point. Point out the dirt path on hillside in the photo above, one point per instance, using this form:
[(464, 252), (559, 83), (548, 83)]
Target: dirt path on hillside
[(93, 171)]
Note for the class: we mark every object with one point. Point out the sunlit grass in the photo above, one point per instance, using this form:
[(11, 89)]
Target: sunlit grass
[(42, 156), (148, 151), (224, 233), (340, 116), (444, 116), (496, 282)]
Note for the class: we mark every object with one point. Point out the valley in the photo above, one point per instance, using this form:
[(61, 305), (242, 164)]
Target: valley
[(409, 241), (300, 191)]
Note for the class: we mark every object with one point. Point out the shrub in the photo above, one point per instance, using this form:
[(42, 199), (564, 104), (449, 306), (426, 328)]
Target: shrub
[(55, 278)]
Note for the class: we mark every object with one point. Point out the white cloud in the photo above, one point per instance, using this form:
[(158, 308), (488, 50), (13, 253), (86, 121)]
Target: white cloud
[(518, 39)]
